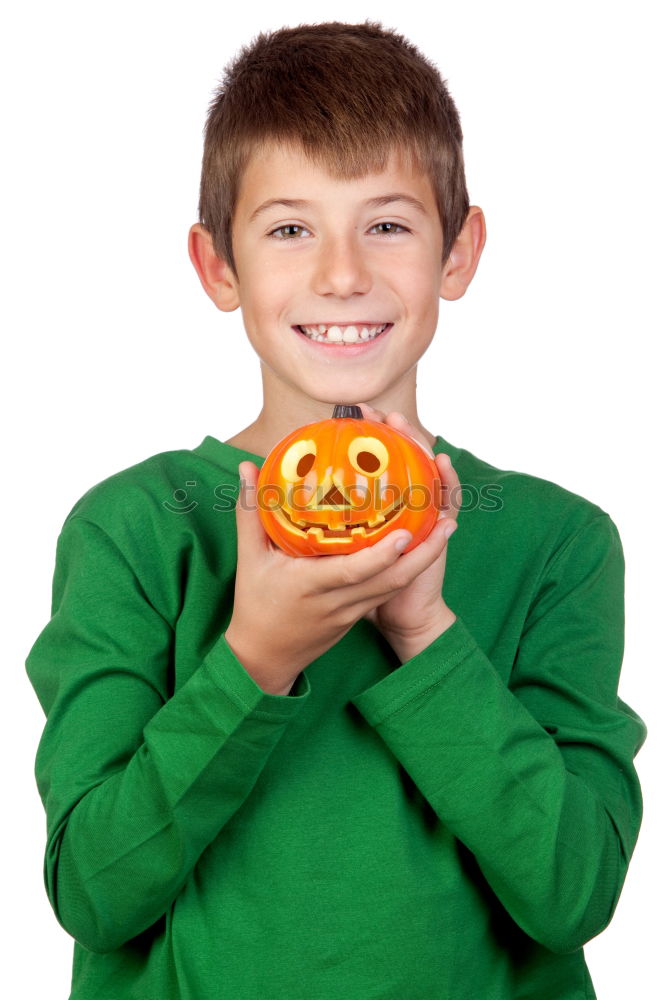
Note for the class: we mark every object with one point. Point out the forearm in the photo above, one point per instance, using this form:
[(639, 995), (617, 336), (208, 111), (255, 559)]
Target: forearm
[(553, 846), (408, 645), (268, 674), (117, 861)]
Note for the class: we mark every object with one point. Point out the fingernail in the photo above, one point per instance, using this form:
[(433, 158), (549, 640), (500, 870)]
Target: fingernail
[(402, 543), (449, 529)]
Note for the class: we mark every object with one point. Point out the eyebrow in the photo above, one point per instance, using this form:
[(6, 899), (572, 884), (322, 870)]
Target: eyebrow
[(383, 199)]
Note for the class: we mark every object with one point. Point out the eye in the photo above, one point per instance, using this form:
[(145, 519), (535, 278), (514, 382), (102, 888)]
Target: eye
[(298, 460), (368, 455), (395, 224), (281, 229)]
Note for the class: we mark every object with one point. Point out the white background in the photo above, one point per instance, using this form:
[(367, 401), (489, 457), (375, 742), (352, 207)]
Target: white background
[(550, 364)]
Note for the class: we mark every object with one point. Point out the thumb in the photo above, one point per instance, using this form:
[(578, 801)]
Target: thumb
[(248, 524)]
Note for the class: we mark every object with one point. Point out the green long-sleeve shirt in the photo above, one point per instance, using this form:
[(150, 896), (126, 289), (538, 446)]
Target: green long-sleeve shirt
[(452, 828)]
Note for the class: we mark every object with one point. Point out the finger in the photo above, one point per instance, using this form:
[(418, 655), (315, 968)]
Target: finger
[(401, 423), (411, 564), (248, 524), (403, 571), (357, 567), (450, 494), (370, 413)]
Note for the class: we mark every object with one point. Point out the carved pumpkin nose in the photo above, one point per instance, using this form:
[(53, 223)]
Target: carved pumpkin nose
[(333, 498)]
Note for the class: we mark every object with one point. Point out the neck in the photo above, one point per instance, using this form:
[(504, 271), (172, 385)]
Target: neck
[(285, 410)]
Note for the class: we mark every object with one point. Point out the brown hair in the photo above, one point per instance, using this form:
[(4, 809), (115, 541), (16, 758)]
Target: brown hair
[(347, 95)]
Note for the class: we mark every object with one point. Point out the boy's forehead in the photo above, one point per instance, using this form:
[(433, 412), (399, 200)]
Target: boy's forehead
[(281, 171)]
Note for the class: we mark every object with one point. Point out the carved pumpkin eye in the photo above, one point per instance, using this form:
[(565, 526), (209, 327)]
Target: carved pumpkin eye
[(298, 459), (368, 455)]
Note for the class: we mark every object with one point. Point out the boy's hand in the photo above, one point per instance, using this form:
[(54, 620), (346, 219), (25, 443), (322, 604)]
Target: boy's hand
[(412, 618), (288, 611)]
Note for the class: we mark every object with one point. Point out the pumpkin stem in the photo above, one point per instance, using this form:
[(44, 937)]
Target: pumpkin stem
[(344, 410)]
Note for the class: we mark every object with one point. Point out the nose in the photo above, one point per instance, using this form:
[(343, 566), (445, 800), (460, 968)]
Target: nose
[(341, 268)]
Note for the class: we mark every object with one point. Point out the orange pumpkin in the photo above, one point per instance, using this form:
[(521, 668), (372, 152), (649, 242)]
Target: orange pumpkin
[(336, 486)]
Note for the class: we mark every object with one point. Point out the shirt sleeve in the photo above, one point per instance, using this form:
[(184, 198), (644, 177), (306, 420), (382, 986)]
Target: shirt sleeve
[(136, 781), (536, 777)]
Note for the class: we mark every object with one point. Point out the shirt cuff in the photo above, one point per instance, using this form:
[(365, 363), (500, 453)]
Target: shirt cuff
[(425, 670), (231, 676)]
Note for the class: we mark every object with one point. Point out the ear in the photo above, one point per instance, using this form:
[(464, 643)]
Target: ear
[(214, 272), (461, 266)]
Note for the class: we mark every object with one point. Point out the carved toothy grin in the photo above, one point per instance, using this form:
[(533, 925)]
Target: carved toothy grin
[(338, 531)]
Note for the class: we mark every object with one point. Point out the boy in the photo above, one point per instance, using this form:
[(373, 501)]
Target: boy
[(351, 776)]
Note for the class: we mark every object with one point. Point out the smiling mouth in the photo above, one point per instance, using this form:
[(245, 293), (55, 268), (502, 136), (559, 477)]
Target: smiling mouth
[(343, 333), (343, 532)]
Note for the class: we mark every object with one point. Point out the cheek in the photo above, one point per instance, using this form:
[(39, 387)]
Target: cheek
[(428, 279), (418, 277), (276, 276), (265, 294)]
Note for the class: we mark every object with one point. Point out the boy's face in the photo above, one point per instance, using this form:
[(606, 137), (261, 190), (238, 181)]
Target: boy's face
[(337, 257)]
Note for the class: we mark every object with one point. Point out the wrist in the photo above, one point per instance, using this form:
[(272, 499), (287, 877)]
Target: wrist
[(407, 645), (252, 664)]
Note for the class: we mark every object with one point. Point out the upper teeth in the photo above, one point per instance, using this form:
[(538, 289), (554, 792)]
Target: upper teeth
[(347, 334)]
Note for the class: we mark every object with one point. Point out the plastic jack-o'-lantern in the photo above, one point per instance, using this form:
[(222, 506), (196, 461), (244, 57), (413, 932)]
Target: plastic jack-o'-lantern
[(339, 485)]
